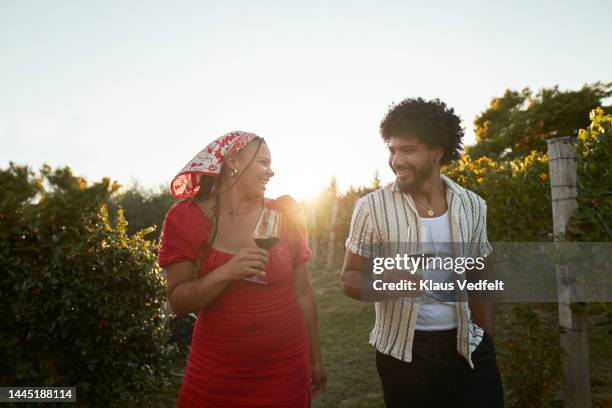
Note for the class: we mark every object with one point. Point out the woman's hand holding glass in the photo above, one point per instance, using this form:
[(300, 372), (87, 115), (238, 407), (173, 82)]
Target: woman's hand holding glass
[(266, 235), (247, 263)]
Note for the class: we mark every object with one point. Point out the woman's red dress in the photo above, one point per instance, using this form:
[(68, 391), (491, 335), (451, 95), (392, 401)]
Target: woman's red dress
[(250, 346)]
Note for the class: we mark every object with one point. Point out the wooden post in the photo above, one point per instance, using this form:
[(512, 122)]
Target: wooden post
[(331, 244), (574, 326)]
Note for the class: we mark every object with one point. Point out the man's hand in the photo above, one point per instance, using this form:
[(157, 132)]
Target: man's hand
[(483, 309)]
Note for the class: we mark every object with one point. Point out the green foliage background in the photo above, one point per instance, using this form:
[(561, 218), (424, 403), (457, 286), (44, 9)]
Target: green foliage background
[(80, 300), (519, 122)]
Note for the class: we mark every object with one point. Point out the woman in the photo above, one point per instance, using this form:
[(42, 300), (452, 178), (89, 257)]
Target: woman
[(254, 344)]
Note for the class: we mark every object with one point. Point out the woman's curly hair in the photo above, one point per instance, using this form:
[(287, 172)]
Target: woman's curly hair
[(431, 122)]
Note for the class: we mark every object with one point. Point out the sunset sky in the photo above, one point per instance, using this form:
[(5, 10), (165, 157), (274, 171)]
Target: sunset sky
[(134, 89)]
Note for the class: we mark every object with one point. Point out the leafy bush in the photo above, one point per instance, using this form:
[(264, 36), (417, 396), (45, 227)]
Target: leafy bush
[(517, 194), (143, 208), (529, 358), (592, 221), (81, 301)]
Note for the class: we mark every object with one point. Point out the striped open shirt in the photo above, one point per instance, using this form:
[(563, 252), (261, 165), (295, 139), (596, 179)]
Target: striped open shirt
[(388, 215)]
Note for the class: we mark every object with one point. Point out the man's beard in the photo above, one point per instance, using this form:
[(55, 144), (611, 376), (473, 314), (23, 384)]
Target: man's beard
[(419, 177)]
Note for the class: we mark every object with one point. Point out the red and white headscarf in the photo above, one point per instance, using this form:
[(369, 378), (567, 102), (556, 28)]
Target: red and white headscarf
[(209, 162)]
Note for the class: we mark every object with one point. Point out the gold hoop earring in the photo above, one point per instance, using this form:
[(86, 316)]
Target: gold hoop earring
[(234, 172)]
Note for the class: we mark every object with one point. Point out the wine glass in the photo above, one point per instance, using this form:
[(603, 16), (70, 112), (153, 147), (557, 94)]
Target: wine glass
[(266, 234)]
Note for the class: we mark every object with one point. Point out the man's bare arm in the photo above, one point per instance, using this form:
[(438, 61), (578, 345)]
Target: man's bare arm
[(483, 309), (351, 275)]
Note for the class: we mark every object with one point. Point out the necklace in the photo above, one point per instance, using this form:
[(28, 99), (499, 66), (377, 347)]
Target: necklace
[(430, 212), (241, 211)]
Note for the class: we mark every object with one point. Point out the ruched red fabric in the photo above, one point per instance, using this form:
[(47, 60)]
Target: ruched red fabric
[(250, 346)]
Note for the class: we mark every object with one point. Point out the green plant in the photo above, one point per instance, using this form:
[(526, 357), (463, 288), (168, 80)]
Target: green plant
[(592, 221), (81, 300), (529, 355), (517, 194)]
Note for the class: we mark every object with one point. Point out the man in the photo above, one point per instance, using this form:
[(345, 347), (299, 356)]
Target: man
[(435, 354)]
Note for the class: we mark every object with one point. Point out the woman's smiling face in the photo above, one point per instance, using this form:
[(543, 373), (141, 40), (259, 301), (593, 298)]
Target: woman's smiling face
[(253, 177)]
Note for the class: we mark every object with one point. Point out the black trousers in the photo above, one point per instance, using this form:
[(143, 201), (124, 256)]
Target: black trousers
[(439, 377)]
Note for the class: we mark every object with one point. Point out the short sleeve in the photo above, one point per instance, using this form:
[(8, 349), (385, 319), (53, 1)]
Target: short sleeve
[(296, 229), (361, 238), (480, 245), (177, 240)]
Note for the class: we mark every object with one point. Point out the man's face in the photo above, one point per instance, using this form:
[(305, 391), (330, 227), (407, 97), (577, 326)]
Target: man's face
[(410, 160)]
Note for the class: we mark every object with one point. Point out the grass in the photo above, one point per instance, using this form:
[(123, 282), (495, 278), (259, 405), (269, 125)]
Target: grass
[(600, 351), (345, 325)]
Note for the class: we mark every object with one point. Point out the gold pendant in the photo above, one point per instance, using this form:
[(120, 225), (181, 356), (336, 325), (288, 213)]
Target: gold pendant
[(430, 212)]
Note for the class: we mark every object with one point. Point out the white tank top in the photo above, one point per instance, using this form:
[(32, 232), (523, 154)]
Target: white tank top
[(439, 315)]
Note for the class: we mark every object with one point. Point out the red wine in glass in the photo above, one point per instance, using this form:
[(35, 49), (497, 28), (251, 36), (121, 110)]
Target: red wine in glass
[(266, 243), (266, 234)]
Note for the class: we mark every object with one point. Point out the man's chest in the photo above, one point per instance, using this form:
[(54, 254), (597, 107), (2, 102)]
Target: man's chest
[(396, 220)]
